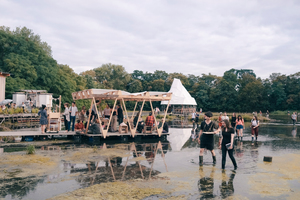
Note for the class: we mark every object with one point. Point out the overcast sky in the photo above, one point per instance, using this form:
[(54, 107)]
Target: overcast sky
[(191, 37)]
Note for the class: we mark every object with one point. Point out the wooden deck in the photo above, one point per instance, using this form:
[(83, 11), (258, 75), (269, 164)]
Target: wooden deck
[(32, 133), (38, 133)]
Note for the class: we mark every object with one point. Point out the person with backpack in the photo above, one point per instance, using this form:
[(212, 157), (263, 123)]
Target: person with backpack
[(254, 128), (206, 136), (240, 126)]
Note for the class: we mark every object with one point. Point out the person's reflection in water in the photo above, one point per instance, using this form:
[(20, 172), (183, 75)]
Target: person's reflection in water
[(254, 151), (239, 149), (227, 189), (294, 132), (206, 184)]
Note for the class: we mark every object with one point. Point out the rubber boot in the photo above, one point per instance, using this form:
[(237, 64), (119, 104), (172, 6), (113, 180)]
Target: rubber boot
[(214, 160), (256, 138), (252, 139), (200, 160), (241, 138)]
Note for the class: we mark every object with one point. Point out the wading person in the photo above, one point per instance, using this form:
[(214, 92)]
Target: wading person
[(254, 128), (226, 143), (43, 119), (294, 118), (206, 137), (240, 127), (233, 120)]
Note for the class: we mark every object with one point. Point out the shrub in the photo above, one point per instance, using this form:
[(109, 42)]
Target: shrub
[(35, 110), (30, 149), (1, 111)]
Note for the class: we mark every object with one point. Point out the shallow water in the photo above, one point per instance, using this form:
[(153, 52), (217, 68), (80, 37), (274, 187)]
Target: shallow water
[(63, 166)]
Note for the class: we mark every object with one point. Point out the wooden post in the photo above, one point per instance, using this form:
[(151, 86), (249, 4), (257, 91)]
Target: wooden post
[(134, 130), (159, 131), (126, 114), (153, 116), (104, 132), (134, 109), (90, 113), (153, 162), (111, 113)]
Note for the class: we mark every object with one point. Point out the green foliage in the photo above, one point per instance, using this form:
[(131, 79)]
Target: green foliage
[(29, 60), (30, 149)]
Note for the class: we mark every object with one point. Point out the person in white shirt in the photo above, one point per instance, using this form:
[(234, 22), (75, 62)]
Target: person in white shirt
[(294, 118), (225, 117), (107, 111), (73, 112), (254, 128)]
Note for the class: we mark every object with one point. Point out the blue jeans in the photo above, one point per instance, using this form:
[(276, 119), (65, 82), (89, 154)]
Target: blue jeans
[(72, 119)]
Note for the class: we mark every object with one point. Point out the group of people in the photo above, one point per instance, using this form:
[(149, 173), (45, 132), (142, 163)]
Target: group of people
[(149, 123), (71, 112), (14, 105), (226, 129)]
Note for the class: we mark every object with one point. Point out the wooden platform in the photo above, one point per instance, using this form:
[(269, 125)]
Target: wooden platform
[(38, 133), (32, 133)]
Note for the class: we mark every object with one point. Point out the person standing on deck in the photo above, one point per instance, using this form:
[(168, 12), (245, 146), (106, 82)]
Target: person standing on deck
[(120, 114), (82, 114), (294, 118), (66, 115), (240, 127), (206, 137), (73, 112), (43, 119), (107, 112)]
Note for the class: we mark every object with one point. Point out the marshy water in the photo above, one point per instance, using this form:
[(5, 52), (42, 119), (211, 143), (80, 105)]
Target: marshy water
[(154, 169)]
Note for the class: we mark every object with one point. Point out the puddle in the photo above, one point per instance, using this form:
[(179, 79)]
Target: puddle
[(153, 169)]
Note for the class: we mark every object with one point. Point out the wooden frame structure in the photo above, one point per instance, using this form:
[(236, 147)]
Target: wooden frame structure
[(54, 115), (122, 96)]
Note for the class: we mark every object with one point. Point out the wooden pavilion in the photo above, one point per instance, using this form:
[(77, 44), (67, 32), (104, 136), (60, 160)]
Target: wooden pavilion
[(123, 96)]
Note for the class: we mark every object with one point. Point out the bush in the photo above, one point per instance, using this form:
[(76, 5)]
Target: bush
[(1, 111), (30, 149)]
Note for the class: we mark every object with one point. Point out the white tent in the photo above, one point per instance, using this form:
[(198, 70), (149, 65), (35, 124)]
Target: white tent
[(180, 96)]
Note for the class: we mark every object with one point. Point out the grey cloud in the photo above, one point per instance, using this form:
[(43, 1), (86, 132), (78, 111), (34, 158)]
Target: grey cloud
[(192, 37)]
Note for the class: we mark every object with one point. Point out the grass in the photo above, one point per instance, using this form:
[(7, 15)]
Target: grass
[(30, 149)]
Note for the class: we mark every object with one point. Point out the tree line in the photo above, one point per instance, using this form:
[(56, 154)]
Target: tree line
[(30, 61)]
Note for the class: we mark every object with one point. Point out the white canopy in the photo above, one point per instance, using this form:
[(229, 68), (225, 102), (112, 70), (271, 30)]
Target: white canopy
[(180, 96)]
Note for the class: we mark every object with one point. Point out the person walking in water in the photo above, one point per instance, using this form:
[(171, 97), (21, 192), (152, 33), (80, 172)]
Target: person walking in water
[(294, 118), (226, 143), (206, 136), (254, 128), (240, 126)]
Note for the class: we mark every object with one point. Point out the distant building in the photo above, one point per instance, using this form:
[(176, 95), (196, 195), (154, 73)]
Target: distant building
[(3, 76)]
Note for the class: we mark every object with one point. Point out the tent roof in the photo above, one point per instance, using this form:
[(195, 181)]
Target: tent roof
[(180, 96), (119, 94)]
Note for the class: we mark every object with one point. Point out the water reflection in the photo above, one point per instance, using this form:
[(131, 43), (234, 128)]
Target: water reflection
[(226, 188), (113, 168), (294, 132), (206, 183)]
